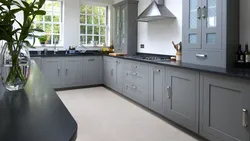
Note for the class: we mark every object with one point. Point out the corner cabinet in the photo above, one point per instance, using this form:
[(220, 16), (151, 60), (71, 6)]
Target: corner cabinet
[(125, 39), (181, 99), (225, 106), (210, 32)]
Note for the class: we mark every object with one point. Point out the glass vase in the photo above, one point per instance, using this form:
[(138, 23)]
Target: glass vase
[(15, 66)]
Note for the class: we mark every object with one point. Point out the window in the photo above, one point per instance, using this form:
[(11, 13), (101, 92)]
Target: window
[(51, 23), (93, 24)]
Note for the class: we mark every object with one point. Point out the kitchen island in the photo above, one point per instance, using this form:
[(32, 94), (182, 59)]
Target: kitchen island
[(35, 113)]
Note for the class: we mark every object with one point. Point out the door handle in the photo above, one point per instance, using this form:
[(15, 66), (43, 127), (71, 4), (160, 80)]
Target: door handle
[(59, 72), (66, 72), (244, 118), (199, 12), (169, 92), (204, 12), (112, 72), (201, 56)]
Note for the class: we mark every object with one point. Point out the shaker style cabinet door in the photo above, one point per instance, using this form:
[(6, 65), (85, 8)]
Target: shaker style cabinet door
[(211, 14), (52, 70), (119, 75), (156, 88), (224, 111), (181, 100), (192, 24), (72, 72), (118, 25), (123, 29)]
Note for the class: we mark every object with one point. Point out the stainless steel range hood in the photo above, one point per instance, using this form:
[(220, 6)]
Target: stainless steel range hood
[(156, 11)]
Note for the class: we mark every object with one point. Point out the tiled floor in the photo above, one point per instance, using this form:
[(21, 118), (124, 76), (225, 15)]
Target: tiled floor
[(104, 116)]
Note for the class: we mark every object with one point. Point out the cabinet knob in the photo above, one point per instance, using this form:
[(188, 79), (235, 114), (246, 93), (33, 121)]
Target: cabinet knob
[(158, 70), (135, 66), (244, 118)]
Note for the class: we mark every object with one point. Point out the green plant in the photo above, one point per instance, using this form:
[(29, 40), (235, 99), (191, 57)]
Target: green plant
[(42, 39), (16, 36)]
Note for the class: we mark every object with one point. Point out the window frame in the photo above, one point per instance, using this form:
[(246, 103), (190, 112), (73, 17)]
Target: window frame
[(60, 23), (106, 35)]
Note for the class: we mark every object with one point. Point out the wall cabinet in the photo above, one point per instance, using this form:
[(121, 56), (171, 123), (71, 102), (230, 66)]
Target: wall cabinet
[(181, 99), (224, 110), (210, 32), (92, 70), (52, 69), (156, 87), (125, 38)]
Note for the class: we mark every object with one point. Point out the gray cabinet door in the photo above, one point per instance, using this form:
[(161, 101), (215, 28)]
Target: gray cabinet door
[(38, 61), (72, 72), (109, 72), (212, 24), (181, 102), (52, 70), (117, 29), (123, 31), (192, 24), (92, 70), (156, 88), (221, 113), (119, 75)]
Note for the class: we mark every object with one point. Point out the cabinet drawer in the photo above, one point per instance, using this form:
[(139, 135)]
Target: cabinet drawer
[(136, 93), (136, 78), (137, 67), (209, 58)]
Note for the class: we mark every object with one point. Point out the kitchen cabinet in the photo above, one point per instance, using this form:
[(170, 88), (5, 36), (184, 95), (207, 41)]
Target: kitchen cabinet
[(92, 70), (156, 88), (136, 82), (181, 99), (224, 109), (210, 32), (52, 69), (119, 75), (72, 71), (126, 13), (38, 61), (109, 72)]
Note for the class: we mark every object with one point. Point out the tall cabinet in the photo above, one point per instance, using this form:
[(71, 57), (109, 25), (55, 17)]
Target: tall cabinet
[(210, 32), (125, 37)]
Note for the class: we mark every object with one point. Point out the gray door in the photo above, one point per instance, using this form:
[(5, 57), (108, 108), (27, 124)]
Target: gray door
[(212, 24), (123, 47), (109, 73), (92, 70), (156, 90), (72, 72), (192, 24), (38, 61), (52, 70), (117, 29), (181, 103), (119, 76), (222, 102)]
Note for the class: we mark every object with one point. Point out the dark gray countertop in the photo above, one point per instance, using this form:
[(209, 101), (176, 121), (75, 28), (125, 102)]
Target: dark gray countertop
[(35, 113), (240, 73)]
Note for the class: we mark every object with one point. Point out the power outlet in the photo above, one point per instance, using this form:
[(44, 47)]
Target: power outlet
[(142, 46)]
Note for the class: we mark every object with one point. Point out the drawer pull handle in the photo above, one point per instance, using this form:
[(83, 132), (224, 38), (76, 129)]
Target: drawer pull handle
[(169, 92), (201, 55), (244, 118), (158, 70), (133, 87), (135, 66)]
